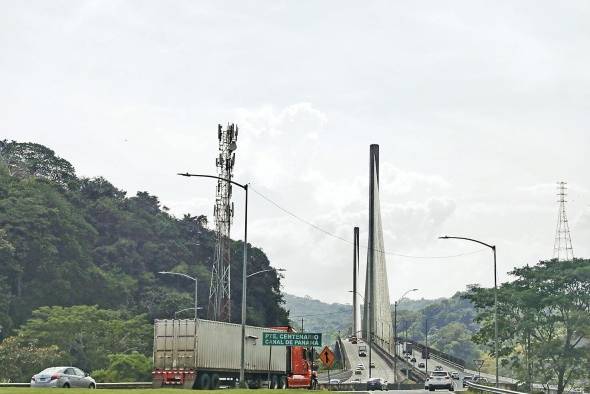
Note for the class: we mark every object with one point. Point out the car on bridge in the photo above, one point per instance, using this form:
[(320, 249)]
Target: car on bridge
[(438, 368), (376, 384), (480, 380), (455, 375), (421, 365), (413, 359), (439, 380)]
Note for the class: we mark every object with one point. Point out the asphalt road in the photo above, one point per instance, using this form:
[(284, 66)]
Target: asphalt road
[(381, 370), (432, 364)]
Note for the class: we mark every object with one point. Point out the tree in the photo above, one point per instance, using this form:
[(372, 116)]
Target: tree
[(544, 319), (21, 359), (88, 334), (132, 367), (67, 241), (29, 159)]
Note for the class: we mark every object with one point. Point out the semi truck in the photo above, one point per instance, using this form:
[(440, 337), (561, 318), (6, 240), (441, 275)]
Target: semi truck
[(362, 350), (206, 355)]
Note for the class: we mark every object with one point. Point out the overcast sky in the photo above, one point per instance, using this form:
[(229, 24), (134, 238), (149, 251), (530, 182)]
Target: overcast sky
[(479, 108)]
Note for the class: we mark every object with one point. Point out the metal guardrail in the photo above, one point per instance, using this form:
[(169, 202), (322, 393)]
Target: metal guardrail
[(490, 389), (434, 352), (116, 385), (389, 359)]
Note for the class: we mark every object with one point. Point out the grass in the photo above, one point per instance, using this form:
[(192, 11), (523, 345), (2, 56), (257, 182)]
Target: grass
[(28, 390)]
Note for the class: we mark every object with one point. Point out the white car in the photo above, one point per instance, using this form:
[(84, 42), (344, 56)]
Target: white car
[(439, 380), (360, 366), (334, 381), (65, 377)]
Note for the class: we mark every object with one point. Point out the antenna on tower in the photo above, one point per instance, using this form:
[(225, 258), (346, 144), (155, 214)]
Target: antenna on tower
[(219, 291), (562, 247)]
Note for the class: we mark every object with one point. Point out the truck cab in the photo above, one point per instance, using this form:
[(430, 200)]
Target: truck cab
[(300, 371)]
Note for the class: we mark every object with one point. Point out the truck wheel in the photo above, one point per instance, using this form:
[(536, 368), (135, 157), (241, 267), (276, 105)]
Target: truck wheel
[(204, 381), (282, 382), (214, 381), (274, 382)]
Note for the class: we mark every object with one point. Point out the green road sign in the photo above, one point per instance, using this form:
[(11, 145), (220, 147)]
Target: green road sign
[(291, 339)]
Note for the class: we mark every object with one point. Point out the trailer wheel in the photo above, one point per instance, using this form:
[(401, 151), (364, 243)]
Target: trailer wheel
[(214, 381), (274, 382), (282, 382), (204, 381)]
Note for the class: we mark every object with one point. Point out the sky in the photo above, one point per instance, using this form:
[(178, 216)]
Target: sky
[(478, 107)]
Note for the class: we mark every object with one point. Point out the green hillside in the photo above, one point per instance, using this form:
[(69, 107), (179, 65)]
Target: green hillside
[(68, 241), (450, 320)]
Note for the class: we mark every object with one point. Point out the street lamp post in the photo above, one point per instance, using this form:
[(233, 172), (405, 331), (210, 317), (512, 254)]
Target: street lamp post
[(493, 247), (427, 350), (266, 270), (188, 277), (244, 266), (395, 333)]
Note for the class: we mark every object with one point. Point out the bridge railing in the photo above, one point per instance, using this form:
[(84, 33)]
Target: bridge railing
[(489, 389), (441, 355)]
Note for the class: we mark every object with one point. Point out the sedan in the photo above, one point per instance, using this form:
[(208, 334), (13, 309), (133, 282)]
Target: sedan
[(65, 377), (376, 384)]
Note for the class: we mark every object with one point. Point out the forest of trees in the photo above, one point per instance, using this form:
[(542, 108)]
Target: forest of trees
[(76, 252), (543, 323)]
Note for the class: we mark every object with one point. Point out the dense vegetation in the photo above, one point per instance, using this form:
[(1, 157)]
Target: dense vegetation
[(83, 248), (318, 316), (450, 325), (451, 322), (543, 322)]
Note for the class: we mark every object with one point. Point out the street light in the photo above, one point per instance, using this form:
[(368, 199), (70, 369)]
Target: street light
[(244, 265), (188, 277), (395, 332), (493, 247), (266, 270)]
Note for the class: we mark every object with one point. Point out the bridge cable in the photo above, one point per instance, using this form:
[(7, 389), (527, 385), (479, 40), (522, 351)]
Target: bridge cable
[(330, 234)]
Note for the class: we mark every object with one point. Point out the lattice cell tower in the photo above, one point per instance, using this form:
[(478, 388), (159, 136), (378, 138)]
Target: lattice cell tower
[(220, 291), (562, 248)]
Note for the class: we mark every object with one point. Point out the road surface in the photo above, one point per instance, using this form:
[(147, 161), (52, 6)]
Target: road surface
[(381, 370)]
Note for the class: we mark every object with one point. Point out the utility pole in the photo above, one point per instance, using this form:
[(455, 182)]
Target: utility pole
[(427, 351), (493, 247), (394, 341)]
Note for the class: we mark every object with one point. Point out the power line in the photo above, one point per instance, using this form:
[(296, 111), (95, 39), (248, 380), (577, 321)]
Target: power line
[(330, 234)]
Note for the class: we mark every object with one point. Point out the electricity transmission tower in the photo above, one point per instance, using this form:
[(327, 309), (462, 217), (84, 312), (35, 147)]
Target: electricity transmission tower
[(562, 247), (220, 291)]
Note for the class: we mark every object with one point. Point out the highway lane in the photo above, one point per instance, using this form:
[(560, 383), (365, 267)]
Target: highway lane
[(433, 363), (381, 370)]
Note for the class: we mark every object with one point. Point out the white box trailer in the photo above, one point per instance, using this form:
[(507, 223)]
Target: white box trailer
[(203, 355)]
